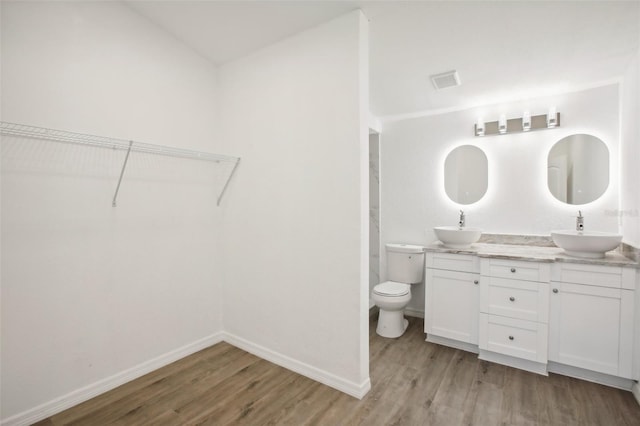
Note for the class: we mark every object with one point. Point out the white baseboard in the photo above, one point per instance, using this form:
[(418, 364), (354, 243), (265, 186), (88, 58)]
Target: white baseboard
[(468, 347), (350, 388), (635, 389), (522, 364), (71, 399), (414, 313), (591, 376)]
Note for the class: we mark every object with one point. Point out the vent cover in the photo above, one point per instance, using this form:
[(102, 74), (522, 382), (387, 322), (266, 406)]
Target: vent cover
[(446, 79)]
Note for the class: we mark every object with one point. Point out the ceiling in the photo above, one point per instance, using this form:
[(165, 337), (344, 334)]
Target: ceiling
[(502, 50)]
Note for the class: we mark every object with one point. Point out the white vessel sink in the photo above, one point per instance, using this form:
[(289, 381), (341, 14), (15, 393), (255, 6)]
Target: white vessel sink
[(456, 237), (589, 244)]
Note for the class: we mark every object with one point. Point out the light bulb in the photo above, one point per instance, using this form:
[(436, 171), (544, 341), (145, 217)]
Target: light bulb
[(502, 124), (480, 127), (552, 118), (526, 121)]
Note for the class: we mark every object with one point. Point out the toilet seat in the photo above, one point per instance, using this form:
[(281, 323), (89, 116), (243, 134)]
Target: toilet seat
[(392, 289)]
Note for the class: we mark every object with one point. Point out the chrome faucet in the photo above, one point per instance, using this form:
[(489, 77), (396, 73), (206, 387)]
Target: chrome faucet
[(579, 221), (462, 220)]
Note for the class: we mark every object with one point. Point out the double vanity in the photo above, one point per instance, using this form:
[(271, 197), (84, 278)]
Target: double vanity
[(523, 302), (562, 303)]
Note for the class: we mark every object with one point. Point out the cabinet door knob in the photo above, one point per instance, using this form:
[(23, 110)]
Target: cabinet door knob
[(513, 299), (475, 281), (555, 290), (511, 337), (513, 270)]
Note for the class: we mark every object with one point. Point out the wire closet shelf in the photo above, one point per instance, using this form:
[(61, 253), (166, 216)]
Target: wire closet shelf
[(27, 131)]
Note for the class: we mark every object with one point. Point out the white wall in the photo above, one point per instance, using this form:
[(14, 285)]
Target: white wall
[(630, 154), (517, 200), (90, 291), (296, 220), (630, 177)]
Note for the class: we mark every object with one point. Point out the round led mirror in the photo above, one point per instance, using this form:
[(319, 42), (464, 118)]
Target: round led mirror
[(466, 174), (578, 169)]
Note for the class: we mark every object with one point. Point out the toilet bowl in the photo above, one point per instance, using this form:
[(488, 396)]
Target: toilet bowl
[(405, 264), (391, 297)]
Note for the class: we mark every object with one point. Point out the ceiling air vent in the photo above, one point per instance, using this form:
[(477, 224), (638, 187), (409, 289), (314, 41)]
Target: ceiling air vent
[(446, 79)]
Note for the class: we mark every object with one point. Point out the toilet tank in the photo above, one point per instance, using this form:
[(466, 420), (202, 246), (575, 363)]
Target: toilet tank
[(405, 263)]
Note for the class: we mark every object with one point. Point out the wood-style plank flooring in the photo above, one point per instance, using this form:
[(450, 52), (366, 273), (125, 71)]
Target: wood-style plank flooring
[(413, 383)]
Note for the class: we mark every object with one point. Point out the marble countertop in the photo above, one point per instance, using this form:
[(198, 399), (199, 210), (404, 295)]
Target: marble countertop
[(532, 253)]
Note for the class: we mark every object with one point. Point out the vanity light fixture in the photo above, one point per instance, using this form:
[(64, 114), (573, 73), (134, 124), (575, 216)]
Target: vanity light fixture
[(479, 127), (527, 122), (502, 124)]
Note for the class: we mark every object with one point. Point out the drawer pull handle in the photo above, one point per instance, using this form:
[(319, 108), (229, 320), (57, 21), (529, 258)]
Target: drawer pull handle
[(555, 290), (511, 337), (513, 270), (475, 281), (513, 299)]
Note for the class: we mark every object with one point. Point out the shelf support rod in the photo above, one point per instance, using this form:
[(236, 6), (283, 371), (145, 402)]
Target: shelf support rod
[(235, 166), (124, 166)]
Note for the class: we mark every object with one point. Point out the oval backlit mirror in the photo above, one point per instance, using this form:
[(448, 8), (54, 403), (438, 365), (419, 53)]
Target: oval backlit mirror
[(466, 174), (578, 169)]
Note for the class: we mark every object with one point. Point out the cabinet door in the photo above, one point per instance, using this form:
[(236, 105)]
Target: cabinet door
[(451, 305), (586, 327)]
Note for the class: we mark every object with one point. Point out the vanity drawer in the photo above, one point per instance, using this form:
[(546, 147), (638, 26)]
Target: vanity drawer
[(513, 337), (517, 270), (452, 262), (579, 273), (524, 300)]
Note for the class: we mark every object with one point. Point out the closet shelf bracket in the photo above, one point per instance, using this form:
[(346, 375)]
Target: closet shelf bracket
[(224, 188), (124, 166)]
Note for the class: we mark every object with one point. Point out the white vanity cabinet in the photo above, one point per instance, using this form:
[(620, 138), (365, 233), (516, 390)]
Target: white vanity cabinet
[(451, 300), (591, 317), (514, 311), (538, 311)]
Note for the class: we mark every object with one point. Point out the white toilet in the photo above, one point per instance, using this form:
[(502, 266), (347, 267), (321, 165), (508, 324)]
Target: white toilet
[(405, 266)]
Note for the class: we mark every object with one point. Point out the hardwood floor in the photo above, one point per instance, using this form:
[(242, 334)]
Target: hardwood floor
[(413, 383)]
